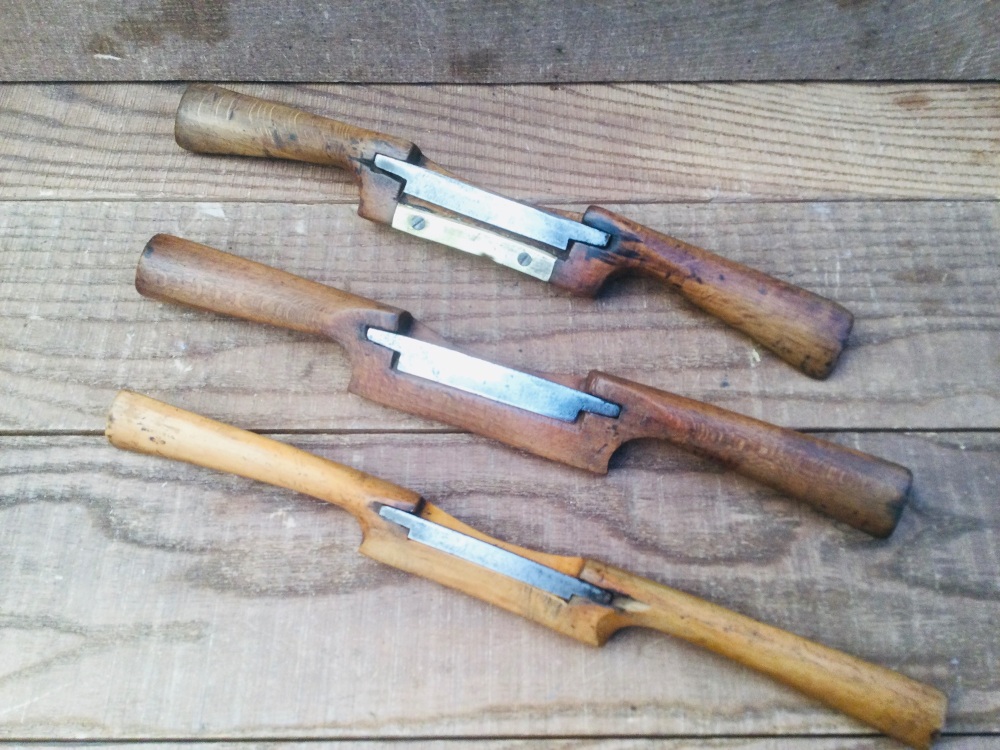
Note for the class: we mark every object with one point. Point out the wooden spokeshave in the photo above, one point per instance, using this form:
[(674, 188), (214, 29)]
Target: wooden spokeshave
[(400, 187), (398, 362), (581, 598)]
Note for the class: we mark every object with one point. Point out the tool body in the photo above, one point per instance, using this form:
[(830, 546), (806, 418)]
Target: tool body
[(580, 421), (578, 252), (582, 598)]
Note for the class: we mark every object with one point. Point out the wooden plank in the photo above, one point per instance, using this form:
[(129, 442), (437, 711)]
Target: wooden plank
[(974, 742), (143, 598), (921, 278), (499, 42), (585, 143)]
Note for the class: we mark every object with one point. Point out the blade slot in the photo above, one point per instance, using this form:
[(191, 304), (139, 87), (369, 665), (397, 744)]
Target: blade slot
[(494, 558), (490, 208), (492, 381)]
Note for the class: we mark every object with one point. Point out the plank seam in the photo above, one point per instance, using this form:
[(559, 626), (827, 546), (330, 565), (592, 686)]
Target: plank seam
[(557, 83), (550, 203), (457, 738), (430, 431)]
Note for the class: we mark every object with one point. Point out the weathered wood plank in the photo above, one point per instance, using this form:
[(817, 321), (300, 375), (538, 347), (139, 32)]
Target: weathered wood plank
[(499, 42), (585, 143), (144, 598), (973, 742), (247, 612), (922, 279)]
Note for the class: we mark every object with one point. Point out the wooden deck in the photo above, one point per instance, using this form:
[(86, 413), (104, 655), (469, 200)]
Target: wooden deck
[(145, 601)]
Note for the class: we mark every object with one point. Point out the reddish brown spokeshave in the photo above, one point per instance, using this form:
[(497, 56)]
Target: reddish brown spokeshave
[(579, 421), (400, 187)]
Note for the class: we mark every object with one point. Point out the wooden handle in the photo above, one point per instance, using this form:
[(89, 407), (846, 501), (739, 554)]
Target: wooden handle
[(804, 329), (214, 120), (903, 708), (142, 424), (856, 488), (178, 270)]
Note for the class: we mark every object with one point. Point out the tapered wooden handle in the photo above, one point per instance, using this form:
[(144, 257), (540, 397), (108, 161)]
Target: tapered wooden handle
[(178, 270), (899, 706), (804, 329), (214, 120), (145, 425), (866, 492)]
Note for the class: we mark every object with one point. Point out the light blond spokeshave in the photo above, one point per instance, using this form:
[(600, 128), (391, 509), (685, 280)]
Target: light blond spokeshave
[(581, 598)]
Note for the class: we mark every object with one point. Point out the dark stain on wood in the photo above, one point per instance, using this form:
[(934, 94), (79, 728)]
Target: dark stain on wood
[(869, 40), (101, 44), (913, 101), (636, 41), (473, 66), (922, 275), (986, 157), (191, 21)]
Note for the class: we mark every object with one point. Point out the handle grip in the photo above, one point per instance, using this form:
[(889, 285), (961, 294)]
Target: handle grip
[(899, 706), (866, 492), (804, 329), (178, 270), (214, 120), (144, 425)]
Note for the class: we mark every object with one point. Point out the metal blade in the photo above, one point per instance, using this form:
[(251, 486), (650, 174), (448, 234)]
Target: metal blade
[(489, 380), (470, 239), (494, 558), (490, 208)]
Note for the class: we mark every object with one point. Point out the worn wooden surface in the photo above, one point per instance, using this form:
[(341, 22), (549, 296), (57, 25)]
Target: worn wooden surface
[(635, 143), (146, 600), (231, 609), (499, 42), (921, 277), (633, 743)]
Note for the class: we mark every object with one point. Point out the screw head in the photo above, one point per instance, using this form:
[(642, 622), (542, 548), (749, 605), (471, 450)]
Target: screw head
[(524, 259), (418, 222)]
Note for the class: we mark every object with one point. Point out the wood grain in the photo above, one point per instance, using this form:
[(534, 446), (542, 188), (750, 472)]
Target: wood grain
[(807, 331), (804, 329), (251, 614), (214, 120), (921, 278), (583, 143), (499, 42), (861, 490), (968, 742), (174, 605)]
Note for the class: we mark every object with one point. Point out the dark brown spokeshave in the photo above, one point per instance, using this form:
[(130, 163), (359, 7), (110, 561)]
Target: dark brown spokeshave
[(402, 188), (398, 362)]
